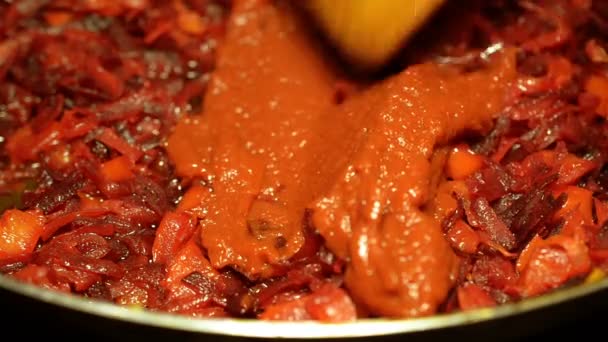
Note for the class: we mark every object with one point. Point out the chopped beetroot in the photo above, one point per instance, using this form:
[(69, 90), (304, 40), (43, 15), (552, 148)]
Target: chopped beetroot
[(538, 203), (482, 216), (84, 112), (91, 203)]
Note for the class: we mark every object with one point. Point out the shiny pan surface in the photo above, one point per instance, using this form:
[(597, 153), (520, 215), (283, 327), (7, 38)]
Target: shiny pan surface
[(545, 309)]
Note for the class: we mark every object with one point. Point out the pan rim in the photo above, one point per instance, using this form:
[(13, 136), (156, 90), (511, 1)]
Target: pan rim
[(253, 328)]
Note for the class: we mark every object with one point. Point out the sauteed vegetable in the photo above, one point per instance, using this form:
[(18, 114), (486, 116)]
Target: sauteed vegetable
[(212, 158)]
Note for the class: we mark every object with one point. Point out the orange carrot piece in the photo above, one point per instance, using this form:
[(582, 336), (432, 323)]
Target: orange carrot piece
[(117, 169), (57, 18), (463, 238), (462, 162), (19, 232), (598, 86), (193, 200), (190, 22)]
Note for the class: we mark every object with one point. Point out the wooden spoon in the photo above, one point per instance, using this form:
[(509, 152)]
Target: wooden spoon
[(369, 32)]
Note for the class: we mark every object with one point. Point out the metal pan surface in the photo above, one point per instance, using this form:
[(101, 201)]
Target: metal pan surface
[(506, 321)]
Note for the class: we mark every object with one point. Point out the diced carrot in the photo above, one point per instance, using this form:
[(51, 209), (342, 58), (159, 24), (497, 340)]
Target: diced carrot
[(193, 200), (595, 52), (462, 162), (117, 169), (88, 202), (57, 18), (463, 238), (60, 157), (187, 20), (444, 202), (598, 86), (19, 232), (578, 199), (190, 22), (472, 296)]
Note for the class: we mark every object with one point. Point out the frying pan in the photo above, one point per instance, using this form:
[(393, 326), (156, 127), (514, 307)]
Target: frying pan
[(65, 312), (85, 317)]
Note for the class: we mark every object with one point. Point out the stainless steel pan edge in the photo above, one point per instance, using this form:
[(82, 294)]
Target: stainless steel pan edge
[(299, 330)]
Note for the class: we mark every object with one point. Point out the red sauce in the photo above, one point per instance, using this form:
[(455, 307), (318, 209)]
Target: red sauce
[(272, 145), (259, 138)]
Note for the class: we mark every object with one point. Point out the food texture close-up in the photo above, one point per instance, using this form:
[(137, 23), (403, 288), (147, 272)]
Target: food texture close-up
[(272, 160)]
